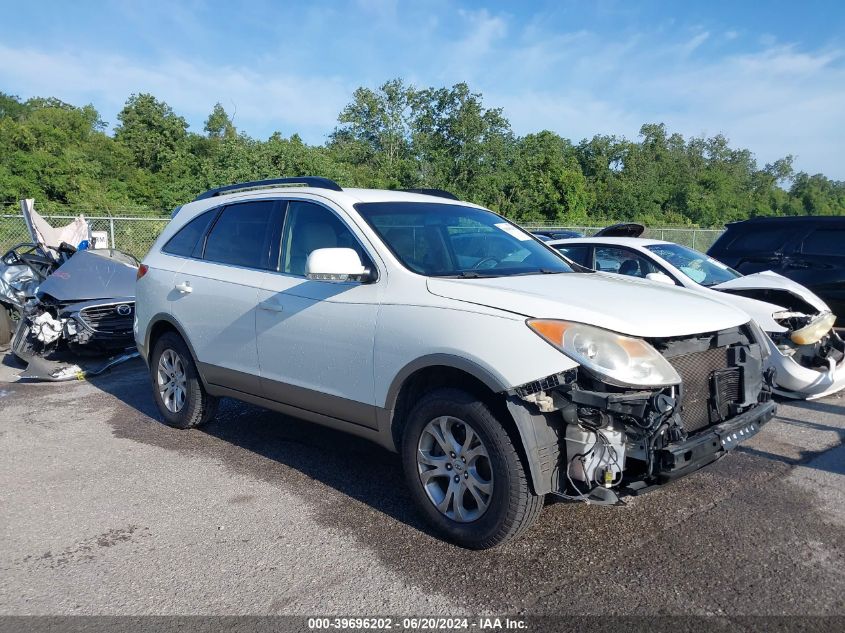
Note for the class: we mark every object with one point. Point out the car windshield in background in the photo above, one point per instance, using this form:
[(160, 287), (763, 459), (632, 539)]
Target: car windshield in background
[(697, 266), (445, 240)]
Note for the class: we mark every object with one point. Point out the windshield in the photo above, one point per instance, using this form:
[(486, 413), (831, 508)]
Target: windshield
[(446, 240), (697, 266)]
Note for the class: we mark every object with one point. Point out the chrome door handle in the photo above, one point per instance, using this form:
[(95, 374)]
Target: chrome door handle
[(184, 287)]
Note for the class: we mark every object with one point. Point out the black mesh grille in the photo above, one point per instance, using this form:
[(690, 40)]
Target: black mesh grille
[(699, 371), (114, 319)]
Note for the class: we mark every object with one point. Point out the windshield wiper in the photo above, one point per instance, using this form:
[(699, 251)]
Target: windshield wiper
[(467, 274), (539, 271)]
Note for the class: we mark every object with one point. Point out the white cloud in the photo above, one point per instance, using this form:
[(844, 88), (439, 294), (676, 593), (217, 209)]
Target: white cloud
[(281, 100), (773, 99), (689, 47)]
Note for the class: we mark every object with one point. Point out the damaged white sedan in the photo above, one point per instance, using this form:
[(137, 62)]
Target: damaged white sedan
[(806, 353)]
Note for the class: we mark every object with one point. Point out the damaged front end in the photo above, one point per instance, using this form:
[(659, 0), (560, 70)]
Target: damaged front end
[(85, 307), (67, 300), (596, 440), (807, 354)]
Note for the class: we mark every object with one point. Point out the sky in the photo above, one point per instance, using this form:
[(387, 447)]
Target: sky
[(768, 75)]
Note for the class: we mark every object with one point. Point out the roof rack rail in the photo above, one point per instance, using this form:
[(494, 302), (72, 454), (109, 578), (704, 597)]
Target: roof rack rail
[(309, 181), (440, 193)]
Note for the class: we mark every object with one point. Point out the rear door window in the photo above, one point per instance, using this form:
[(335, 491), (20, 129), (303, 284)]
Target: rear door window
[(759, 239), (246, 234), (185, 242), (623, 262), (825, 242)]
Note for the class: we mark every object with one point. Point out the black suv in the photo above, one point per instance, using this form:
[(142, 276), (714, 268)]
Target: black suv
[(807, 249)]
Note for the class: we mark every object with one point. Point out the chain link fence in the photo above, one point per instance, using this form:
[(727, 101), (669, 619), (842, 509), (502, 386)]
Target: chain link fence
[(132, 235), (135, 235), (699, 239)]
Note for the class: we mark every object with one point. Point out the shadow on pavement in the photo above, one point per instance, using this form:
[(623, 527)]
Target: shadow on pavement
[(354, 467), (815, 426), (668, 536), (807, 459)]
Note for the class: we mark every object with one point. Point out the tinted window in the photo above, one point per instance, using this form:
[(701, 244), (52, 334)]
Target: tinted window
[(623, 262), (186, 238), (825, 242), (243, 235), (760, 239), (578, 254), (454, 240), (309, 227)]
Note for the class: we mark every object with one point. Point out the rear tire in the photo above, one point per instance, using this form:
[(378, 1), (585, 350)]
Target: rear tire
[(177, 388), (454, 443)]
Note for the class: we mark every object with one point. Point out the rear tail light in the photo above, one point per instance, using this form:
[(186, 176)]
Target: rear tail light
[(142, 270)]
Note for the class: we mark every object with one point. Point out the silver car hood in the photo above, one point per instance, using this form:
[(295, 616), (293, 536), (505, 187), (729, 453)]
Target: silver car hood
[(769, 280), (628, 306)]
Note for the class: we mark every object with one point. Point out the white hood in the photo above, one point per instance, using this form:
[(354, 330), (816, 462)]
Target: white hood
[(628, 306), (760, 311), (769, 280)]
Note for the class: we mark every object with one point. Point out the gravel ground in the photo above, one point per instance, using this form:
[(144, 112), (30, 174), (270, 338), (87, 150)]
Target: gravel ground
[(104, 510)]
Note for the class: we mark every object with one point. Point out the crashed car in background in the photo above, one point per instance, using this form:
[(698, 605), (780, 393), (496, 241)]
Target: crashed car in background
[(18, 281), (67, 300), (806, 353)]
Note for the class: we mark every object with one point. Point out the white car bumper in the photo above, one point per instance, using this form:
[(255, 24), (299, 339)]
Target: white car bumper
[(796, 381)]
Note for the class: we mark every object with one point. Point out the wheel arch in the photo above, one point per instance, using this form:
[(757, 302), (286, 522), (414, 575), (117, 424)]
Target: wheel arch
[(441, 370), (158, 326)]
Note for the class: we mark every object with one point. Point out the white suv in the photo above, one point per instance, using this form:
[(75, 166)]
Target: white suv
[(500, 371)]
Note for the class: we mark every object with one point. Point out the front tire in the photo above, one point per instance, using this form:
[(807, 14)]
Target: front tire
[(177, 389), (464, 471)]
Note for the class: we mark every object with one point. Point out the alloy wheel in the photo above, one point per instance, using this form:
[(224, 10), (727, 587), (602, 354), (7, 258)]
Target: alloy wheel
[(454, 468), (172, 381)]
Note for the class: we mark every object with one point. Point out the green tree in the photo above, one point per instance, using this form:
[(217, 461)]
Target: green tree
[(219, 123), (547, 182), (150, 130), (398, 136), (375, 132), (11, 107), (461, 145), (818, 195)]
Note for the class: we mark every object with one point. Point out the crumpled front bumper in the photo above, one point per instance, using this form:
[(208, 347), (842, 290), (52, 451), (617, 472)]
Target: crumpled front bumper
[(681, 458), (796, 381)]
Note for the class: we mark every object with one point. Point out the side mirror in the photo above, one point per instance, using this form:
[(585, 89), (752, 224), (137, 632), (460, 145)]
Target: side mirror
[(335, 264), (661, 277)]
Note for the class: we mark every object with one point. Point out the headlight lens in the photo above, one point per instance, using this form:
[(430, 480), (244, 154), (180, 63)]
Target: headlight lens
[(623, 359), (813, 332)]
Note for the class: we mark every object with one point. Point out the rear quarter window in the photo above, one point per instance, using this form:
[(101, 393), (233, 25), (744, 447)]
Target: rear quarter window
[(186, 238), (825, 242)]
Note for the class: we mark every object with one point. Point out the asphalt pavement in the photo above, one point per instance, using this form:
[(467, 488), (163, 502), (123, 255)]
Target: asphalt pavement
[(105, 510)]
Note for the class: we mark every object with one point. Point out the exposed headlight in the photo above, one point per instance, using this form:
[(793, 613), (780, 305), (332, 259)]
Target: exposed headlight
[(813, 332), (623, 359)]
